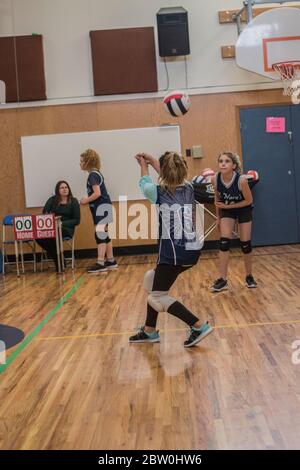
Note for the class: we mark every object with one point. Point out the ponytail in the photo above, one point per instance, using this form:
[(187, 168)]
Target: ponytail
[(173, 171)]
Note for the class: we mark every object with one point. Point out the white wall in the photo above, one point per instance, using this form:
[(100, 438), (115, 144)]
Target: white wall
[(56, 157), (65, 25)]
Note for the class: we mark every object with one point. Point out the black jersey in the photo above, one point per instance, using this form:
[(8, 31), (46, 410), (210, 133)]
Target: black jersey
[(96, 178), (178, 241), (230, 193)]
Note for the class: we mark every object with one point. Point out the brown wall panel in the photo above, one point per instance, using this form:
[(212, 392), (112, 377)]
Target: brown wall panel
[(22, 68), (124, 61), (213, 122), (8, 68), (30, 63)]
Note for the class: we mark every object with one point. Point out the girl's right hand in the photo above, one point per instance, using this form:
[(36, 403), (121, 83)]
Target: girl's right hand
[(141, 159), (84, 201), (148, 157)]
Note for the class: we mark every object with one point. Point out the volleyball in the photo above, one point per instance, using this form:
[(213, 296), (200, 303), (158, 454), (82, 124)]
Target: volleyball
[(177, 103), (208, 172)]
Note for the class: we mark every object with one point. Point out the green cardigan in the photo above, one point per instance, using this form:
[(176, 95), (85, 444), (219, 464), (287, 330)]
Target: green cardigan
[(69, 213)]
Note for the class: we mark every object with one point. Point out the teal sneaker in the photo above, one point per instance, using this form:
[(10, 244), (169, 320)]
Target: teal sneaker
[(197, 334), (143, 337)]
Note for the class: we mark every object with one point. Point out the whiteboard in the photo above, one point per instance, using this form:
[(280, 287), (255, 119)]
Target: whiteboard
[(50, 158)]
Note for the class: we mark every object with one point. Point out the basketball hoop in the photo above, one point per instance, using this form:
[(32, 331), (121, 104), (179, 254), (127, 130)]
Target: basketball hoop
[(288, 72)]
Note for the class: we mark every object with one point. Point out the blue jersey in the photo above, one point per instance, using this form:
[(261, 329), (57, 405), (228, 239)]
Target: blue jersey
[(96, 178), (230, 193), (178, 242)]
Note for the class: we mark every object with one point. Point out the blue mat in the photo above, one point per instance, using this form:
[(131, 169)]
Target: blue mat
[(10, 335)]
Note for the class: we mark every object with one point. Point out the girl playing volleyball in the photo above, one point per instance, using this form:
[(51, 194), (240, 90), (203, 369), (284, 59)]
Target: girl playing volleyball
[(179, 248), (233, 200)]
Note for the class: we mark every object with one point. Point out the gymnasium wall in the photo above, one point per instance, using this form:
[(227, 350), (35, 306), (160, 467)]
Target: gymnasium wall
[(213, 122), (65, 26), (217, 86)]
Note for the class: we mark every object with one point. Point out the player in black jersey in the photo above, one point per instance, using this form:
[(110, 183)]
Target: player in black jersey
[(178, 245), (233, 200), (101, 210)]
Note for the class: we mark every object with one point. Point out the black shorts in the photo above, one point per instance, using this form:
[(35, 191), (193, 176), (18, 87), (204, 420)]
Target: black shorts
[(242, 215)]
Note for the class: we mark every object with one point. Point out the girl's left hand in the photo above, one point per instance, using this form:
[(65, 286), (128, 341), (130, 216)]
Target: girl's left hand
[(221, 205), (84, 201), (140, 157)]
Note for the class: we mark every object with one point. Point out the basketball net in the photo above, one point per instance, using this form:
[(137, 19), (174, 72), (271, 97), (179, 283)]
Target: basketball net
[(288, 72)]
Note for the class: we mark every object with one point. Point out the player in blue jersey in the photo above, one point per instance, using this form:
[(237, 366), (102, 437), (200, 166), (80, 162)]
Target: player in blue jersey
[(101, 210), (178, 245), (233, 200)]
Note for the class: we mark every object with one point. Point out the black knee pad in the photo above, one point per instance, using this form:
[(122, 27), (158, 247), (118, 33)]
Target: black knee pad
[(101, 237), (224, 244), (246, 247)]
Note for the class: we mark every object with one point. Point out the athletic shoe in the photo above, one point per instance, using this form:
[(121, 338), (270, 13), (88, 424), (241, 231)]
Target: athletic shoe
[(196, 335), (219, 285), (111, 265), (250, 282), (143, 337), (97, 268)]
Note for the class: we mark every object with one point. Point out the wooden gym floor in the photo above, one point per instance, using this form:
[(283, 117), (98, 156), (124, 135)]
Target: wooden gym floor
[(76, 383)]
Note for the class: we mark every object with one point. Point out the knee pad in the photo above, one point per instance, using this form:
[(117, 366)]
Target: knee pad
[(160, 300), (224, 244), (101, 237), (246, 247)]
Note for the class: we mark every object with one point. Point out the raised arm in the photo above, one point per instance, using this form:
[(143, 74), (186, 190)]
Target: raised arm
[(148, 188), (152, 161), (143, 164)]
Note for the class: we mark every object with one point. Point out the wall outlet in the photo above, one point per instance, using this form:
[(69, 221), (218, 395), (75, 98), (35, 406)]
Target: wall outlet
[(197, 151)]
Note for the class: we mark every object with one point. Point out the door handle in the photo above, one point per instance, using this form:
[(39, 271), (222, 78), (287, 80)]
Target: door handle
[(290, 137), (289, 172)]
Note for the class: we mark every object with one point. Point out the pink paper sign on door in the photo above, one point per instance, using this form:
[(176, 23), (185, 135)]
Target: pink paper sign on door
[(275, 124)]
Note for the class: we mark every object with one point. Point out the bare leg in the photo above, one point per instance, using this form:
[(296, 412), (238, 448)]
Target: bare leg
[(109, 250), (101, 252), (104, 248), (101, 247)]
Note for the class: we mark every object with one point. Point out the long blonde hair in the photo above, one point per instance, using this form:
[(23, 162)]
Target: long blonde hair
[(234, 158), (173, 171), (91, 160)]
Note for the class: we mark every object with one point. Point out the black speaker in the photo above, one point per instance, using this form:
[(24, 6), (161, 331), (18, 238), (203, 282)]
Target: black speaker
[(173, 32)]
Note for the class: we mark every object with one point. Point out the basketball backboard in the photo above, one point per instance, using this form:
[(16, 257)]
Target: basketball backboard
[(271, 37)]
